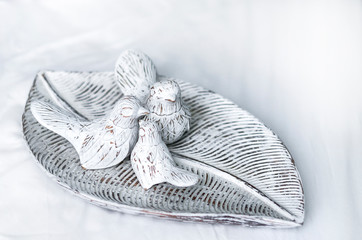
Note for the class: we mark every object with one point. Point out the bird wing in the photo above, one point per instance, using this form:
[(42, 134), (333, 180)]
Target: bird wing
[(135, 73), (154, 164), (58, 120), (107, 146), (146, 164), (98, 145)]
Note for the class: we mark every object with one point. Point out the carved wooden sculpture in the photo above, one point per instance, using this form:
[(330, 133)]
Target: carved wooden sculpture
[(245, 174)]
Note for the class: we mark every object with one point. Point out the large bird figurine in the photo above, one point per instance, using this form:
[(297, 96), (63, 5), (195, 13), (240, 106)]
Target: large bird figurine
[(100, 143)]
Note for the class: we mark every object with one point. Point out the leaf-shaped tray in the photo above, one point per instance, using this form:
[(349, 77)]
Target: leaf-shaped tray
[(247, 176)]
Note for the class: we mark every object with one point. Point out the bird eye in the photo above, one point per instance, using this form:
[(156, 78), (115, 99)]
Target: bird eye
[(127, 112)]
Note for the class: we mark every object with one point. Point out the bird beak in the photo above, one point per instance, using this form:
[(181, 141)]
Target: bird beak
[(142, 112)]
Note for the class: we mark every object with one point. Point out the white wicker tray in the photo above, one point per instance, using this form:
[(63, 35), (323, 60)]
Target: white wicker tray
[(246, 174)]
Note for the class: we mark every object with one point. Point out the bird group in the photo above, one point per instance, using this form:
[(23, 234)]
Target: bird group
[(150, 115)]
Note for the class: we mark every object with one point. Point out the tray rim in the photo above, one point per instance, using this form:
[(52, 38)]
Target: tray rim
[(208, 218)]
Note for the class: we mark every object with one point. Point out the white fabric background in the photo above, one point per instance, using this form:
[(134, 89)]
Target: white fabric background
[(294, 64)]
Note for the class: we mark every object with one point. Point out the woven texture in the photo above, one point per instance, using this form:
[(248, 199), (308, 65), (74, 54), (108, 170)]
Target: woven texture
[(246, 174)]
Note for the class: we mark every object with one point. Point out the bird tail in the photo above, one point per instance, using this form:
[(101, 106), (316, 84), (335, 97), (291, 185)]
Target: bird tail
[(64, 123), (135, 72), (182, 178)]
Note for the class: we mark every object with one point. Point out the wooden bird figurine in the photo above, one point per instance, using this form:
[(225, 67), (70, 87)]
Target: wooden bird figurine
[(168, 110), (100, 143), (135, 73), (152, 161)]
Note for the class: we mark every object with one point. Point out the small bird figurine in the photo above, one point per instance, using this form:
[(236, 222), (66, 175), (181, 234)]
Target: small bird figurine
[(135, 73), (100, 143), (168, 110), (152, 161)]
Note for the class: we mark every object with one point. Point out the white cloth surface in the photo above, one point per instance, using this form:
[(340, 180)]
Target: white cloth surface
[(296, 65)]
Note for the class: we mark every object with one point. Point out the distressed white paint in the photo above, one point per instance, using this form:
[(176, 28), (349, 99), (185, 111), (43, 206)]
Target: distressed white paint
[(100, 143), (168, 110), (243, 168), (135, 73), (293, 64), (152, 161)]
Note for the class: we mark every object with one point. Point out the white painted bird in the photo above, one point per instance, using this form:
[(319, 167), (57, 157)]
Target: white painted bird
[(100, 143), (168, 110), (152, 161), (135, 73)]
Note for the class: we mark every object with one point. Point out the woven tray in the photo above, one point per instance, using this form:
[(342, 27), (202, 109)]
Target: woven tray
[(246, 174)]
